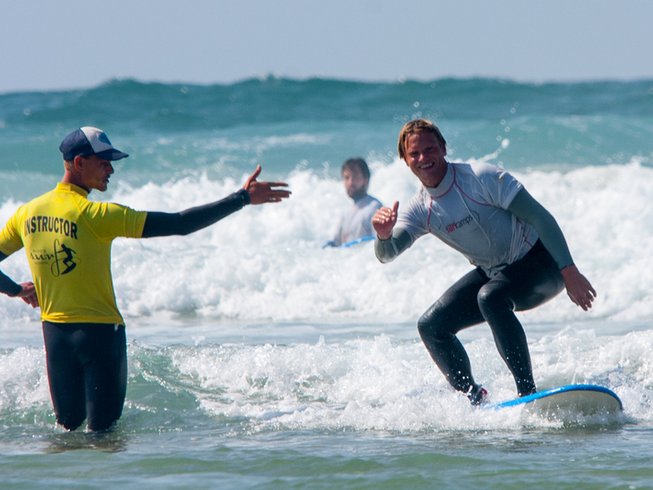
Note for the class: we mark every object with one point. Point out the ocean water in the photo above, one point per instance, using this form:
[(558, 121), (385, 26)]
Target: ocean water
[(257, 359)]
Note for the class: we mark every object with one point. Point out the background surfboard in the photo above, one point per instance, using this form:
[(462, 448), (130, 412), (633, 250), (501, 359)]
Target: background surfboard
[(363, 239)]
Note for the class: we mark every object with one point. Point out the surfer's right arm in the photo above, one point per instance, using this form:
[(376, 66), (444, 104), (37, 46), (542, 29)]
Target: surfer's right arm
[(389, 242)]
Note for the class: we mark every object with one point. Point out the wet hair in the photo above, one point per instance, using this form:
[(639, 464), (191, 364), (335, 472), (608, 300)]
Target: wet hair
[(359, 163), (418, 126)]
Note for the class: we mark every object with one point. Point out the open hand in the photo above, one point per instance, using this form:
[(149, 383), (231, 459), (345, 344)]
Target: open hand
[(384, 221), (579, 289), (263, 192)]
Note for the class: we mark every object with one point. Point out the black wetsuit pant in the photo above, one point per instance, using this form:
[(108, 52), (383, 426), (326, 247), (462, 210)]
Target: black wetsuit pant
[(476, 298), (87, 370)]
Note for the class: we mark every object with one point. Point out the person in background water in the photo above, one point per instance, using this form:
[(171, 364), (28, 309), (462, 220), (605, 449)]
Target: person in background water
[(67, 240), (356, 222), (520, 255)]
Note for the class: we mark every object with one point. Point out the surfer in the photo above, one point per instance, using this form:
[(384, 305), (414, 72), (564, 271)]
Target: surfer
[(356, 222), (520, 255), (67, 239)]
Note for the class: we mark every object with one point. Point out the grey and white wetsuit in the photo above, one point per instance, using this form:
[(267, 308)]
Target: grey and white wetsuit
[(518, 250)]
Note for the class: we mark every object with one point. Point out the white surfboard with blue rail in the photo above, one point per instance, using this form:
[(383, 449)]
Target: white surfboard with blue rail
[(581, 399)]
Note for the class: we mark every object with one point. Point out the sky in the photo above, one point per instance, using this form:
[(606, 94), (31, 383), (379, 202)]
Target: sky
[(53, 45)]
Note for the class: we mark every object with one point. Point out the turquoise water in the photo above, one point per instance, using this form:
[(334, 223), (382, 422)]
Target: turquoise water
[(259, 360)]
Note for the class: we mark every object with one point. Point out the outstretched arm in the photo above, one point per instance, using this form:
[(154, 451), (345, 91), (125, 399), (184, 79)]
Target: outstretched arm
[(525, 207), (193, 219), (389, 242), (24, 290)]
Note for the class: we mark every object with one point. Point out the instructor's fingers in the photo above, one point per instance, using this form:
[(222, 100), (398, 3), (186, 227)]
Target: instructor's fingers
[(279, 194), (277, 184), (31, 300), (256, 173), (252, 178)]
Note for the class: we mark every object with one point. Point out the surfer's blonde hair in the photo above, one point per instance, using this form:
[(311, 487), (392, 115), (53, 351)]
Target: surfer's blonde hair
[(418, 126)]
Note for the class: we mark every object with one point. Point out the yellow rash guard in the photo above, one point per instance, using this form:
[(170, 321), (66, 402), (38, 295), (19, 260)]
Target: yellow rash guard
[(67, 239)]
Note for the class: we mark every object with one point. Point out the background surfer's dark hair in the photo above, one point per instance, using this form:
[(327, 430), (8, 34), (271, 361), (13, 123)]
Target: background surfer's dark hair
[(359, 163)]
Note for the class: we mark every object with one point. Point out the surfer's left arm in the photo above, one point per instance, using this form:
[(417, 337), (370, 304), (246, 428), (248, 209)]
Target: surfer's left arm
[(526, 208)]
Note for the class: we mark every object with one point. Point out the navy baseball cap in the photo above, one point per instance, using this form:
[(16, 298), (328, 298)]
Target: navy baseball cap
[(89, 141)]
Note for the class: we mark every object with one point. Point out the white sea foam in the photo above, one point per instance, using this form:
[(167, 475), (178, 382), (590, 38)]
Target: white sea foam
[(266, 262), (23, 380), (374, 383), (380, 384)]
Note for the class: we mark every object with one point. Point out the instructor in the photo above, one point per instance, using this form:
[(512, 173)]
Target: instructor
[(67, 239), (520, 255)]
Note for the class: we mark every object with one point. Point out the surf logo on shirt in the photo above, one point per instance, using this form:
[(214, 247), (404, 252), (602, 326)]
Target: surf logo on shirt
[(456, 225), (451, 227), (61, 258)]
